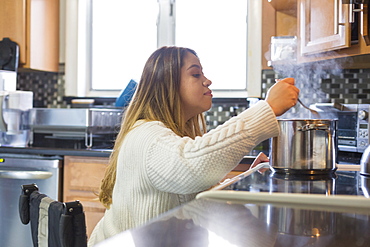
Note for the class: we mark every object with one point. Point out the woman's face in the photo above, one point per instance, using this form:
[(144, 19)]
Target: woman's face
[(195, 95)]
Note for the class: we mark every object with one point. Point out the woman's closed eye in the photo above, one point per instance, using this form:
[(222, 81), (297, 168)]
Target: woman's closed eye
[(197, 75)]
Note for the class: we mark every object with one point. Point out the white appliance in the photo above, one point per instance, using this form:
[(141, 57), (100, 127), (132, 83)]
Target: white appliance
[(14, 118), (8, 80)]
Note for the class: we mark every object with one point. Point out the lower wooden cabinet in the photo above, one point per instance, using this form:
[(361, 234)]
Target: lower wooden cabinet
[(81, 181), (82, 177)]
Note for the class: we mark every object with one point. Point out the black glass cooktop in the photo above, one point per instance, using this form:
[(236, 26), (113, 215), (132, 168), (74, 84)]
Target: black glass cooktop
[(336, 183)]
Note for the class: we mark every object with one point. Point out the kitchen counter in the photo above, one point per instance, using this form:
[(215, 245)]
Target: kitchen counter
[(265, 210), (242, 222), (56, 151), (244, 164)]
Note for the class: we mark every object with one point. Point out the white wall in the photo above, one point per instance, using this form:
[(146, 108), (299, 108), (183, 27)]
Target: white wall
[(254, 58)]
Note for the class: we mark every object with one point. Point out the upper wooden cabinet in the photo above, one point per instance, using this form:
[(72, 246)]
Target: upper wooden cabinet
[(34, 25), (324, 29), (323, 26)]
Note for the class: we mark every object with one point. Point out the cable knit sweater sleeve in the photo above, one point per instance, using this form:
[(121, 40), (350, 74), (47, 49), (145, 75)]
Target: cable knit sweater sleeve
[(184, 166)]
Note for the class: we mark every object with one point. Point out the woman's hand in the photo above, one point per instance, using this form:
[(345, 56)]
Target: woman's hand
[(282, 96), (261, 157)]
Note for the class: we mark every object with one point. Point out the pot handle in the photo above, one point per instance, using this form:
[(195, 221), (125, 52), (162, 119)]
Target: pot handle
[(309, 127)]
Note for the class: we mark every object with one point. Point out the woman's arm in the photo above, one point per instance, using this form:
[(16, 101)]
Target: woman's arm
[(184, 166)]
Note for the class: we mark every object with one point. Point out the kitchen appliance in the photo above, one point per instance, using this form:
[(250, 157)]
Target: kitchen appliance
[(9, 55), (353, 124), (341, 182), (14, 118), (8, 80), (310, 184), (76, 128), (365, 185), (365, 162), (16, 170), (306, 146)]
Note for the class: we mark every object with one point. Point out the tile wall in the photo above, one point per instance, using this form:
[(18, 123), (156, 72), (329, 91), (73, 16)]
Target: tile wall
[(349, 86), (223, 109), (47, 87), (336, 86)]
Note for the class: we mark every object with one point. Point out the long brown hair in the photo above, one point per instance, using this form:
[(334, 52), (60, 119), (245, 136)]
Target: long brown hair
[(156, 99)]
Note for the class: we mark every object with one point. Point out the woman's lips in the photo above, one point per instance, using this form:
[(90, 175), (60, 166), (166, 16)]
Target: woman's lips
[(209, 93)]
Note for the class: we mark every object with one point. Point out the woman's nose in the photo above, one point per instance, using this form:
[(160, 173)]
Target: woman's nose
[(207, 83)]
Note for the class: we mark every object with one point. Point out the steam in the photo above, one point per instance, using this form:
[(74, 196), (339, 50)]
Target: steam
[(308, 78)]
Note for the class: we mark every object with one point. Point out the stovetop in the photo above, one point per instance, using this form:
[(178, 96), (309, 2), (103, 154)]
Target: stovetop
[(336, 183)]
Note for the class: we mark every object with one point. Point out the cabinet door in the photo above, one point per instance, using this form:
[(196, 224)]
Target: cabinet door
[(43, 35), (34, 26), (13, 24), (82, 177), (323, 26), (365, 21)]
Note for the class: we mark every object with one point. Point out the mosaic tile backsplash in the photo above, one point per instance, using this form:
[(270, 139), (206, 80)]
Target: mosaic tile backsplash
[(47, 87), (349, 86), (336, 86), (223, 109)]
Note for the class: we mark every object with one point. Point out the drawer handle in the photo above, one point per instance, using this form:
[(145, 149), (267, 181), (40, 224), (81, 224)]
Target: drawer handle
[(25, 174)]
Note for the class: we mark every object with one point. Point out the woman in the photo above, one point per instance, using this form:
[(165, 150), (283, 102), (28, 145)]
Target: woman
[(162, 158)]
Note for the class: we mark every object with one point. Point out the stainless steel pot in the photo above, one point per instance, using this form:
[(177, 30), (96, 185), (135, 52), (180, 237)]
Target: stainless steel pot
[(365, 185), (304, 146), (365, 162)]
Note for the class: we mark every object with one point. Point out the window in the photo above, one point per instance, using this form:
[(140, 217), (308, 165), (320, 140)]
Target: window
[(116, 37), (217, 31), (124, 34)]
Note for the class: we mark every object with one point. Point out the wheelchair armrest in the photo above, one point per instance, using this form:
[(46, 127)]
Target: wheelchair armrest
[(24, 202), (73, 226)]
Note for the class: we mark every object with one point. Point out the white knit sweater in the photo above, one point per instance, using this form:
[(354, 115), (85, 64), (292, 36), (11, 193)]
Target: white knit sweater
[(158, 170)]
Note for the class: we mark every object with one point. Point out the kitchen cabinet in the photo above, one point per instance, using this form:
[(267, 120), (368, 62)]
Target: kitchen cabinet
[(81, 181), (34, 26), (82, 177), (323, 28), (279, 18)]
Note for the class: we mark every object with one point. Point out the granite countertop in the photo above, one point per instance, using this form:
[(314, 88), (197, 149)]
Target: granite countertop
[(56, 151)]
